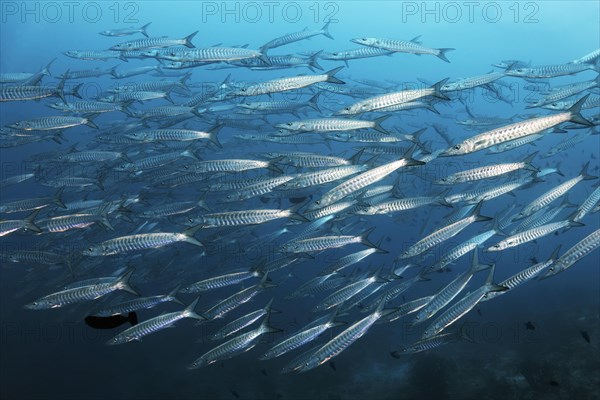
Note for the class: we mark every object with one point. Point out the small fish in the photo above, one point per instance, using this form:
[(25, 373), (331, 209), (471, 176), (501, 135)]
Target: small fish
[(585, 336), (111, 322), (529, 326)]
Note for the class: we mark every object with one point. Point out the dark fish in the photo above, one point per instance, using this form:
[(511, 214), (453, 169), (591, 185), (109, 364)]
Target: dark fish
[(264, 200), (264, 372), (534, 260), (554, 383), (235, 394), (585, 336), (111, 322), (332, 365), (529, 326), (297, 200), (479, 311)]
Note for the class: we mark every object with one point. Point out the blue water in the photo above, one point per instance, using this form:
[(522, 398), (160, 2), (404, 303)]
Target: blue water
[(53, 354)]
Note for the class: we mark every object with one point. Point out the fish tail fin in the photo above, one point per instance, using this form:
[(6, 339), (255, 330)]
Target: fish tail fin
[(103, 219), (431, 108), (575, 112), (477, 213), (331, 78), (442, 199), (489, 281), (173, 295), (202, 202), (415, 136), (123, 282), (377, 123), (188, 40), (264, 58), (169, 98), (75, 91), (442, 53), (313, 102), (189, 235), (378, 248), (57, 198), (355, 159), (364, 238), (325, 30), (527, 161), (213, 135), (408, 156), (132, 318), (270, 309), (61, 87), (272, 165), (265, 327), (143, 29), (584, 173), (190, 312), (295, 215), (113, 71), (90, 120), (573, 220), (463, 334), (265, 282), (46, 69), (476, 266), (437, 89), (554, 255), (29, 224), (313, 61)]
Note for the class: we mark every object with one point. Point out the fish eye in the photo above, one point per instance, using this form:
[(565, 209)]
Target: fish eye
[(318, 202), (364, 39), (457, 147), (347, 108), (34, 303), (289, 124), (90, 249)]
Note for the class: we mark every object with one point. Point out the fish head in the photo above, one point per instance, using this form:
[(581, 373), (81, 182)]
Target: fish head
[(199, 363), (125, 167), (457, 149), (517, 71), (139, 135), (36, 305), (22, 125), (447, 180), (92, 251), (365, 41), (292, 126), (497, 247), (344, 111), (369, 210), (557, 106), (122, 46), (71, 53), (43, 304), (119, 339)]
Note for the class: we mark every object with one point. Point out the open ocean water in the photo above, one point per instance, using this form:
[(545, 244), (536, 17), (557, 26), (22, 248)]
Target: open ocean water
[(114, 171)]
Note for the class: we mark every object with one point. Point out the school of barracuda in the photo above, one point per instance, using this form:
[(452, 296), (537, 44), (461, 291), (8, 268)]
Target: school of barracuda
[(164, 177)]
